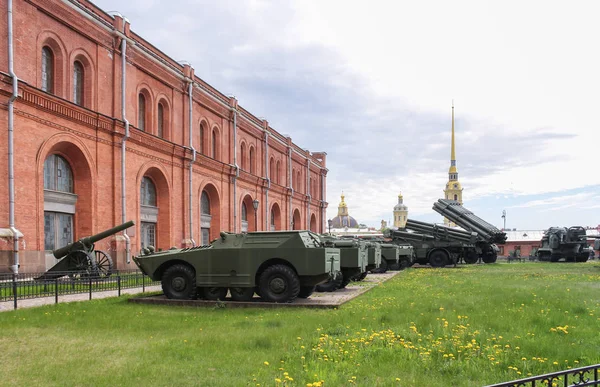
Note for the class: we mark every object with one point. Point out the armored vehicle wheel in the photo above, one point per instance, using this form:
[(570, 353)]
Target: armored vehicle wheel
[(306, 291), (396, 266), (582, 257), (383, 267), (360, 276), (179, 282), (331, 285), (489, 258), (345, 281), (405, 264), (241, 294), (104, 264), (279, 283), (214, 294), (438, 259), (80, 265), (471, 257)]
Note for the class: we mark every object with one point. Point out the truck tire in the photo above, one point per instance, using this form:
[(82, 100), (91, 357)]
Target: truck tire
[(331, 285), (179, 282), (214, 293), (383, 267), (345, 281), (360, 277), (489, 258), (306, 291), (279, 283), (241, 294), (471, 257), (438, 258)]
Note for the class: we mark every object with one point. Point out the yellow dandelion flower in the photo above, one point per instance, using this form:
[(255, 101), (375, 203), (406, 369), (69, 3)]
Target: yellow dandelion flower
[(266, 363)]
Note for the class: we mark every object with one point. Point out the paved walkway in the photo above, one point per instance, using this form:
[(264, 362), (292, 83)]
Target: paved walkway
[(30, 303)]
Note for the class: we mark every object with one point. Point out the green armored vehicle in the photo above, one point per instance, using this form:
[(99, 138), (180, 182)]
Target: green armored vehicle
[(353, 262), (374, 255), (278, 266), (565, 243)]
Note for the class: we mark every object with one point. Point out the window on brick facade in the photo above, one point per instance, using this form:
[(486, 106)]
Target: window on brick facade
[(272, 169), (244, 212), (205, 218), (78, 87), (278, 172), (161, 120), (243, 163), (148, 192), (57, 174), (141, 112), (252, 161), (47, 70), (213, 145)]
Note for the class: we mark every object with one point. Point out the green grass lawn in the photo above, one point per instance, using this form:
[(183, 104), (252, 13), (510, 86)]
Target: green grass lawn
[(467, 326)]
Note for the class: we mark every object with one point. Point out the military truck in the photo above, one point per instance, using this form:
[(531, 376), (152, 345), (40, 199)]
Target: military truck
[(279, 266), (353, 262), (439, 245), (374, 258), (565, 243)]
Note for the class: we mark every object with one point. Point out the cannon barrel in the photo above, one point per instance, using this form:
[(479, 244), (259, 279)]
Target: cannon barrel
[(84, 243)]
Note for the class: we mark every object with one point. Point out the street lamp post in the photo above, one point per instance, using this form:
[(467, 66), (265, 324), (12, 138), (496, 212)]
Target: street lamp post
[(504, 217), (329, 222), (255, 205)]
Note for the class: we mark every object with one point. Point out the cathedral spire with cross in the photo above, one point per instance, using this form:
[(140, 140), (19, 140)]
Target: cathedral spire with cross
[(453, 189)]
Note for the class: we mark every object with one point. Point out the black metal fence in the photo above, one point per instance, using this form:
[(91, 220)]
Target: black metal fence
[(29, 285), (584, 376)]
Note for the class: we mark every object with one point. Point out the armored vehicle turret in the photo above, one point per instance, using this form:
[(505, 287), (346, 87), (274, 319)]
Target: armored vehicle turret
[(569, 244), (353, 261), (278, 266)]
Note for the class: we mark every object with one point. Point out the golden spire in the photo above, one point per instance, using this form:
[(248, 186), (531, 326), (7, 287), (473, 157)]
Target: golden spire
[(342, 208), (453, 172)]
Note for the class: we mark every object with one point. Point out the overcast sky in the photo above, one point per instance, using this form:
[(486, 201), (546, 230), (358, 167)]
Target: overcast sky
[(372, 83)]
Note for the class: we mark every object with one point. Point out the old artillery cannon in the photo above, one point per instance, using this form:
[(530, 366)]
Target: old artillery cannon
[(80, 259)]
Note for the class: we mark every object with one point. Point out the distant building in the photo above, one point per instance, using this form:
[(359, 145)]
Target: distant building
[(400, 213), (343, 219), (453, 189)]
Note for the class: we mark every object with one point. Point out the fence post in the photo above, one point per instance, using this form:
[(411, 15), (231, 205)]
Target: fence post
[(90, 287), (56, 290), (15, 290), (119, 284), (143, 284)]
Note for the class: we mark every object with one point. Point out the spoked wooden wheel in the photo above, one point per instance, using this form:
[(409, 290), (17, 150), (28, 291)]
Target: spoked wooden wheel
[(104, 264), (81, 265)]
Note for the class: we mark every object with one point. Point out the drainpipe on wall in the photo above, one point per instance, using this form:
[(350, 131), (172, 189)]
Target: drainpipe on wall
[(291, 187), (123, 151), (268, 177), (11, 168), (191, 174), (308, 193), (237, 169)]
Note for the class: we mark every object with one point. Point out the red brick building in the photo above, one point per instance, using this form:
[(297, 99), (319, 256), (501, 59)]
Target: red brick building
[(106, 128)]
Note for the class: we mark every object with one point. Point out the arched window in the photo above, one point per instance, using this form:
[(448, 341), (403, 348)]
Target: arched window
[(252, 161), (205, 218), (141, 112), (47, 70), (160, 120), (272, 169), (244, 212), (57, 174), (278, 172), (213, 145), (149, 213), (272, 219), (204, 204), (298, 182), (148, 192), (455, 197), (78, 83), (243, 163), (60, 206), (202, 133)]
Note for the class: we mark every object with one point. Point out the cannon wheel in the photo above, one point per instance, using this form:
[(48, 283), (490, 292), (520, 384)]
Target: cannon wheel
[(104, 264), (81, 265)]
